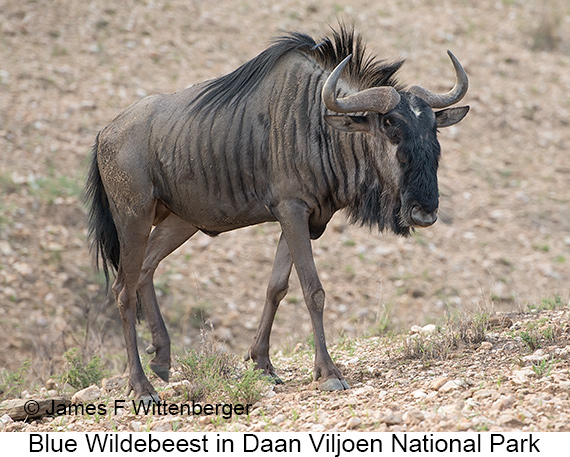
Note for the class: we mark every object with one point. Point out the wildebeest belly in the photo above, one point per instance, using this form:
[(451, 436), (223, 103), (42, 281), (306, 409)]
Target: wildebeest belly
[(215, 213)]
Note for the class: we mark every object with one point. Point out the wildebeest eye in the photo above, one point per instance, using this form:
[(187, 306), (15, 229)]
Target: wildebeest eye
[(391, 130)]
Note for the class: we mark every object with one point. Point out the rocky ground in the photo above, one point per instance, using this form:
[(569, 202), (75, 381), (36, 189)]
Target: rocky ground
[(516, 379), (502, 242)]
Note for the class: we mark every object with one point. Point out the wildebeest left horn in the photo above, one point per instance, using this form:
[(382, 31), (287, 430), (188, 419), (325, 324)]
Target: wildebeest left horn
[(453, 96), (376, 99)]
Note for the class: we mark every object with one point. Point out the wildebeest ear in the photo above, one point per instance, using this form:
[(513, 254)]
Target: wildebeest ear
[(346, 123), (450, 116)]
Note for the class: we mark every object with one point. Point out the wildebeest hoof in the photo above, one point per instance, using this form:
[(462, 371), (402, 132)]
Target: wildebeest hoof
[(149, 398), (162, 371), (332, 384)]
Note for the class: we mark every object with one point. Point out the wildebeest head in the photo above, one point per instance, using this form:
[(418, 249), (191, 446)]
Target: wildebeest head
[(403, 126)]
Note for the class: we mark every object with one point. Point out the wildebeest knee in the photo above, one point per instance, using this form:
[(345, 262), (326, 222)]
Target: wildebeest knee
[(147, 274), (316, 300), (277, 292)]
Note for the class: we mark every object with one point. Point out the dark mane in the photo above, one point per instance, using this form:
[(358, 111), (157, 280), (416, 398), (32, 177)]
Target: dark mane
[(363, 70)]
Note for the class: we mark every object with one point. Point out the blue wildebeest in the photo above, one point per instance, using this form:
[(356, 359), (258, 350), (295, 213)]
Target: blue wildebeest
[(299, 132)]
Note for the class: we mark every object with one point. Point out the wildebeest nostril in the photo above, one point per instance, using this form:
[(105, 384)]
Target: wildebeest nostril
[(423, 218)]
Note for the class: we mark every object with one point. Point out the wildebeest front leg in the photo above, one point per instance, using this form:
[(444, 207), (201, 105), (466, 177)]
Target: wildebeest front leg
[(276, 291), (294, 219), (164, 239)]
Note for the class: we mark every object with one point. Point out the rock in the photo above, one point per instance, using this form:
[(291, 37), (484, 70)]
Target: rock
[(509, 420), (5, 248), (392, 418), (521, 376), (87, 395), (413, 416), (114, 383), (182, 387), (15, 426), (23, 409), (451, 385), (483, 393), (353, 422), (317, 428), (504, 402), (136, 426), (5, 420), (437, 383), (500, 321), (485, 346), (428, 329), (167, 394), (161, 426), (538, 356), (279, 419), (463, 425)]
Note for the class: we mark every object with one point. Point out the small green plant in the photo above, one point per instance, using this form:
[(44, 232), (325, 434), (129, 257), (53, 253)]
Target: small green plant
[(550, 303), (500, 380), (81, 375), (347, 344), (249, 387), (549, 334), (176, 425), (534, 337), (219, 376), (543, 368), (428, 347), (383, 321), (530, 339), (471, 330), (11, 382)]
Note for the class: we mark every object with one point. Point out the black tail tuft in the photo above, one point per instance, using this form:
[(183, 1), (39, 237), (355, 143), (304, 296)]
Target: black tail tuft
[(102, 229)]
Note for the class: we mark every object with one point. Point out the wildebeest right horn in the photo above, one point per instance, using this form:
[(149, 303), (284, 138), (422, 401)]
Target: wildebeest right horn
[(450, 98), (376, 99)]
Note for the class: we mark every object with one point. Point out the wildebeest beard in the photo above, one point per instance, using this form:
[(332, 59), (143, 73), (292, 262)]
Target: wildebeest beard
[(378, 209)]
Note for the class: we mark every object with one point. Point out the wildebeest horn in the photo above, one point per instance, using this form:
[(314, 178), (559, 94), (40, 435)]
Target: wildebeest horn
[(376, 99), (453, 96)]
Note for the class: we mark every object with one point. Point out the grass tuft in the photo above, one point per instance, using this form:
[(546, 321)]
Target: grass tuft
[(11, 383), (81, 375), (216, 375)]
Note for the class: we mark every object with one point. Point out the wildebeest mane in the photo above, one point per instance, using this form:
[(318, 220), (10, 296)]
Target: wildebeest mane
[(363, 70)]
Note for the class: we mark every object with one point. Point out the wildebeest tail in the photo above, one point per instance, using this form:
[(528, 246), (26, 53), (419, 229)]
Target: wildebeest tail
[(101, 227)]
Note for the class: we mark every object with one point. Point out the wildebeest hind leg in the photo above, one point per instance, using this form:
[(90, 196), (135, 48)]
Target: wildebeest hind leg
[(276, 291), (133, 231), (164, 239)]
